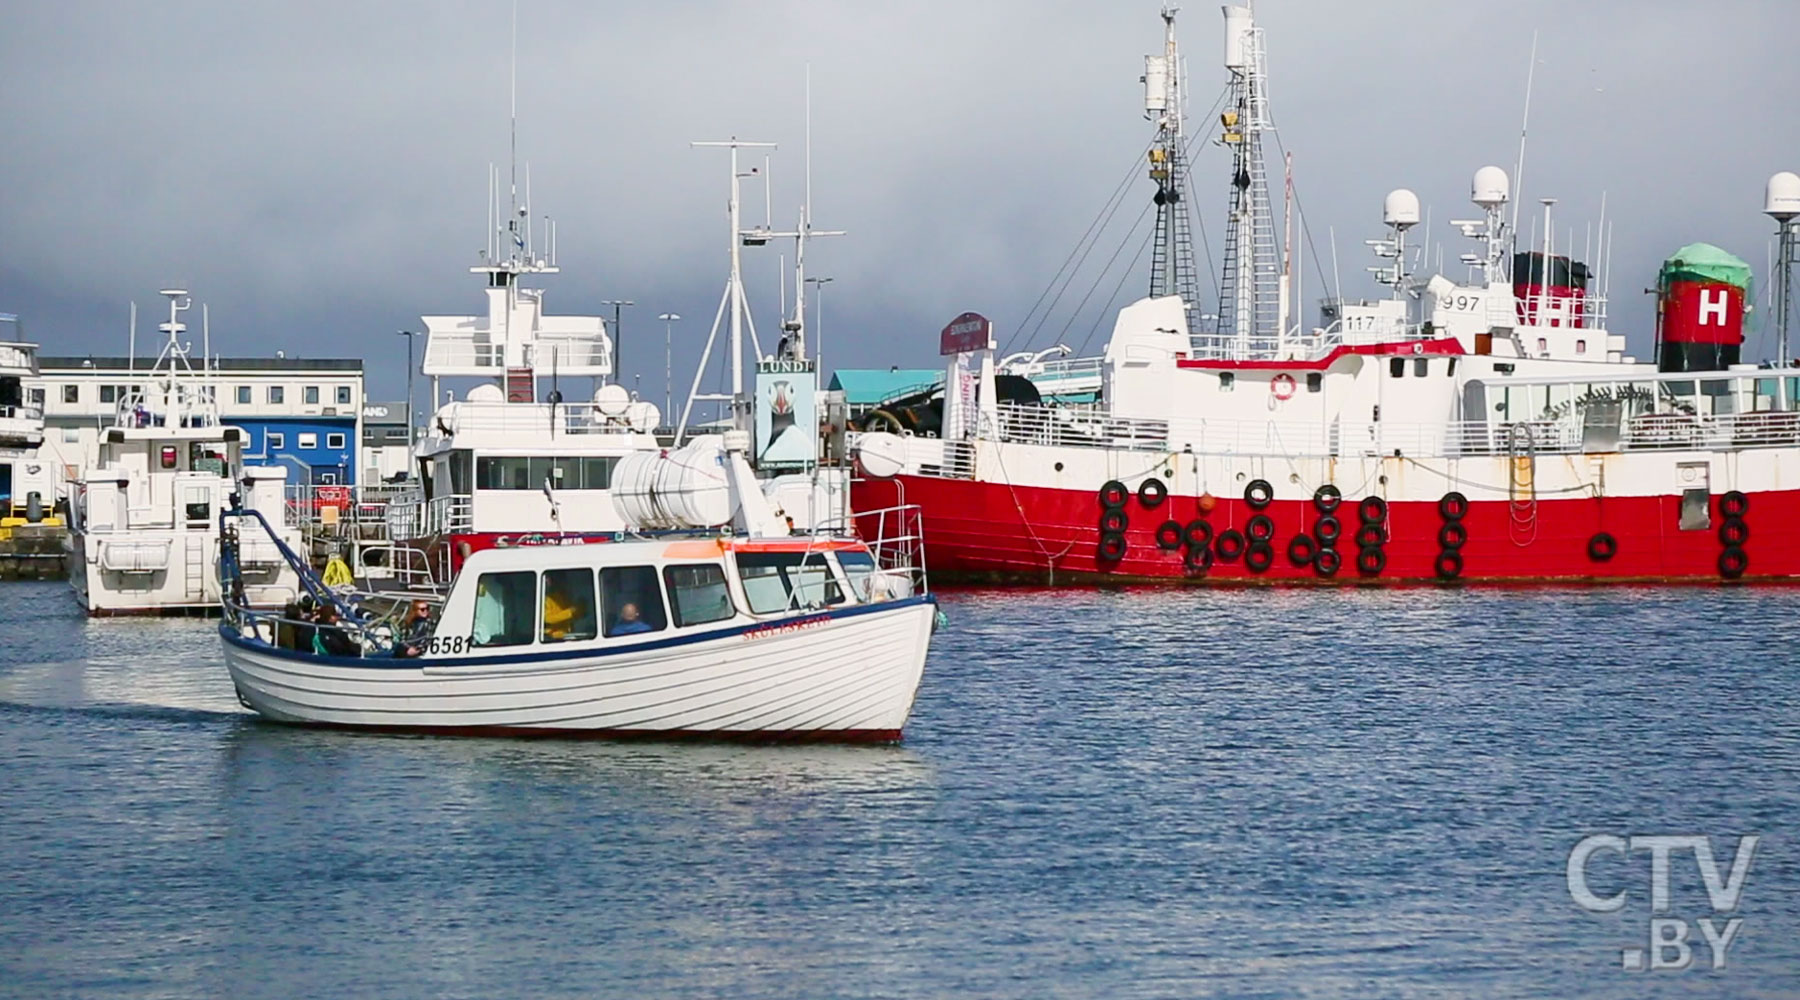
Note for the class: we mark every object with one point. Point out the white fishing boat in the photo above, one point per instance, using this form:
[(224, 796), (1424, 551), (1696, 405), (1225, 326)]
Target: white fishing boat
[(144, 520), (713, 620)]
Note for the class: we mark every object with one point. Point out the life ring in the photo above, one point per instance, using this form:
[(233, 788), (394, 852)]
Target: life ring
[(1453, 506), (1371, 535), (1370, 560), (1112, 547), (1449, 565), (1372, 510), (1733, 562), (1734, 532), (1452, 536), (1602, 547), (1259, 556), (1114, 494), (1229, 545), (1168, 536), (1326, 498), (1198, 534), (1734, 504), (1198, 561), (1260, 528), (1114, 521), (1282, 386), (1327, 562), (1259, 494), (1327, 529), (1302, 549), (1152, 492)]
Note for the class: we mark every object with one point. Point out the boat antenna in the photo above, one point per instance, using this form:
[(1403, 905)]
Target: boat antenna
[(1524, 127)]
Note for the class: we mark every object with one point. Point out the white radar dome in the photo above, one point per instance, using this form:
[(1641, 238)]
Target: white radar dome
[(1783, 202), (642, 416), (1401, 209), (881, 455), (1491, 188), (611, 400), (486, 393)]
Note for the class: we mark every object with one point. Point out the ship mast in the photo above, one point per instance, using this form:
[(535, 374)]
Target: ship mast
[(1172, 257), (1250, 305)]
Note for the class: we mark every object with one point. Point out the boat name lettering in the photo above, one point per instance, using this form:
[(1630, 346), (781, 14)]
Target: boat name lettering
[(767, 631)]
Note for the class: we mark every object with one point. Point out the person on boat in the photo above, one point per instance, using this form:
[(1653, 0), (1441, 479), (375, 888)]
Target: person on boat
[(629, 621), (415, 630), (559, 613), (330, 638)]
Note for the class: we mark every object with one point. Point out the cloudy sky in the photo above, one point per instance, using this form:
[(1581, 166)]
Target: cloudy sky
[(317, 172)]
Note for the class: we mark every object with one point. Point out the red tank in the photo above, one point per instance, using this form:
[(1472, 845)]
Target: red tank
[(1700, 310), (1550, 290)]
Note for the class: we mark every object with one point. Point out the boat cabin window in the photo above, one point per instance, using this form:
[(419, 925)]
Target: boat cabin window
[(860, 568), (531, 473), (778, 581), (196, 506), (1396, 367), (698, 594), (569, 607), (631, 600), (505, 612), (166, 456), (1315, 382)]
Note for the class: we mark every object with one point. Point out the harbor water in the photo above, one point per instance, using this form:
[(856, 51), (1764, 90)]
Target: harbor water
[(1101, 794)]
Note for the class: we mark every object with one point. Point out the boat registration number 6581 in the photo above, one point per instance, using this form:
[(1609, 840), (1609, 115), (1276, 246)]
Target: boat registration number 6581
[(448, 644)]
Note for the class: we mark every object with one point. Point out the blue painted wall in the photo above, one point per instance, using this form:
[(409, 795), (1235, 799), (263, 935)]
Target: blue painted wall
[(305, 465)]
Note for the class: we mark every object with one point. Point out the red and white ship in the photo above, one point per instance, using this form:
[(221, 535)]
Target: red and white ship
[(1483, 430)]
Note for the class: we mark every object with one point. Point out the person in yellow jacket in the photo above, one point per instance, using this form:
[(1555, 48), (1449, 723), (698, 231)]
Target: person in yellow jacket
[(559, 614)]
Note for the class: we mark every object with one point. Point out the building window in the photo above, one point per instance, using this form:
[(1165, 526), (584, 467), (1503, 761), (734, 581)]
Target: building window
[(569, 608), (37, 398), (343, 395), (71, 393), (309, 439), (109, 394), (277, 395), (504, 612), (310, 395), (334, 440), (243, 395), (276, 439), (71, 435), (698, 593), (633, 600)]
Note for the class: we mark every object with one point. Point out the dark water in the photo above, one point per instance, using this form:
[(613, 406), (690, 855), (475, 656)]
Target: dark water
[(1101, 795)]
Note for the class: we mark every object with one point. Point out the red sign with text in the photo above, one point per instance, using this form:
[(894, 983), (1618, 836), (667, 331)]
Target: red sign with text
[(968, 332)]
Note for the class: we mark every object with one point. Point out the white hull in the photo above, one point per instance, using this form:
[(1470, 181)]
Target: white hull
[(846, 674), (165, 572)]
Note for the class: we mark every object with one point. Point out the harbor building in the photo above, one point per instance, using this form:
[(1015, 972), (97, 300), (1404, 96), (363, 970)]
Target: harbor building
[(304, 414)]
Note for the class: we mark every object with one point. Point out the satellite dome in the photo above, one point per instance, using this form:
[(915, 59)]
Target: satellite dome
[(643, 416), (1783, 201), (1401, 209), (611, 400), (1491, 188), (486, 393), (881, 455)]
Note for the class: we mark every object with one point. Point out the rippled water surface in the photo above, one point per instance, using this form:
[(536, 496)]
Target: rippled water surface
[(1126, 794)]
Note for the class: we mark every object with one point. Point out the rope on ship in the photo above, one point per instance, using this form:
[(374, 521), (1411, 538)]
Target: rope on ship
[(1521, 490)]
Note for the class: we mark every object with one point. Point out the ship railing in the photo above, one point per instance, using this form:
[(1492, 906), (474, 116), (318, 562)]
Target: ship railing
[(535, 418), (407, 565), (1056, 426), (896, 539), (414, 517), (1681, 431)]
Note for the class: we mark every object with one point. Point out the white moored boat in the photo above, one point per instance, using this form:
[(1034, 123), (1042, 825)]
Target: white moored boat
[(717, 622)]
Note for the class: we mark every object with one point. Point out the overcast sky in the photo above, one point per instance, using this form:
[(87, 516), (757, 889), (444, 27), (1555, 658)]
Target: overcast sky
[(317, 172)]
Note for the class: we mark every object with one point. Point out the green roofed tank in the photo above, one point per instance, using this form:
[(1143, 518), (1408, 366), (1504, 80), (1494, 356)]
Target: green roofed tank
[(1702, 293)]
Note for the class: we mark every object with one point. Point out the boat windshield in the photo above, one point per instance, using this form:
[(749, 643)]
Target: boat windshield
[(778, 581), (860, 568)]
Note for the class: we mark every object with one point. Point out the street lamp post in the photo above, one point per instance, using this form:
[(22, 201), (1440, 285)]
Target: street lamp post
[(668, 320), (409, 335), (617, 304)]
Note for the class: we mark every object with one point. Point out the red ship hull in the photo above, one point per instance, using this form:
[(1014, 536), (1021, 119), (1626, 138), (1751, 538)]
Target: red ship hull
[(983, 532)]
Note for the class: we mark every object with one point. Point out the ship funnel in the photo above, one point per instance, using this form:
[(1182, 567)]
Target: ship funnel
[(1491, 188)]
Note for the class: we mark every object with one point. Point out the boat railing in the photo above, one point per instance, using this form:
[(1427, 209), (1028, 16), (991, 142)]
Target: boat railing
[(896, 539), (18, 356), (1063, 427), (22, 412), (533, 418), (413, 517), (449, 349)]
